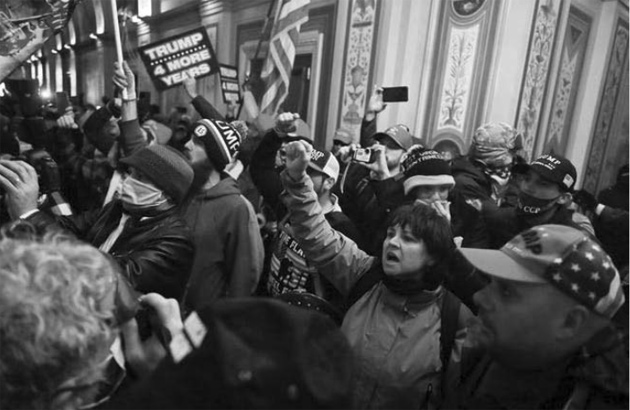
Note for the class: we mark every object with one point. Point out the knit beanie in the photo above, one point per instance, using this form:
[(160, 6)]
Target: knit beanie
[(165, 167), (493, 144), (425, 167), (220, 139)]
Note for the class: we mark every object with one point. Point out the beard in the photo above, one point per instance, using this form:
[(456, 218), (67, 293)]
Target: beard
[(202, 170)]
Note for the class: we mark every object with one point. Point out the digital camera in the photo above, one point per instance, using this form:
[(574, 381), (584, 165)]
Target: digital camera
[(364, 155)]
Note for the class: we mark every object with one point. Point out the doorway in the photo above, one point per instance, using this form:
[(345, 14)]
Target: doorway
[(299, 87)]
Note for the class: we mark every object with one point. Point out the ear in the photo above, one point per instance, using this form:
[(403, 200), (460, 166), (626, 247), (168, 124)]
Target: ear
[(329, 183), (565, 198), (574, 321)]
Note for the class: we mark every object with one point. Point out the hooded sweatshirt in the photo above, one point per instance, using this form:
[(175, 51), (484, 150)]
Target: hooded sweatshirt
[(229, 250)]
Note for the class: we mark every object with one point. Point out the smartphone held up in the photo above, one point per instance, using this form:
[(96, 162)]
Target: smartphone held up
[(395, 94)]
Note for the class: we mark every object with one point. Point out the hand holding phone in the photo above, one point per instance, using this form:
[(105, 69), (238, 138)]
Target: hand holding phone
[(395, 94)]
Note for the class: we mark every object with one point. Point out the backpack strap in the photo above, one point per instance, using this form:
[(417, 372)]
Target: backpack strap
[(449, 319)]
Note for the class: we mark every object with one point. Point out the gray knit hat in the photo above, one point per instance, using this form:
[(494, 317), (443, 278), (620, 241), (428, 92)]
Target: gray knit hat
[(166, 167)]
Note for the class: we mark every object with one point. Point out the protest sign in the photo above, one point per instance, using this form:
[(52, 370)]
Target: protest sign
[(172, 60), (229, 83)]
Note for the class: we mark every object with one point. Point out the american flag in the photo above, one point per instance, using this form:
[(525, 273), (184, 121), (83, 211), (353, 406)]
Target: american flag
[(276, 73)]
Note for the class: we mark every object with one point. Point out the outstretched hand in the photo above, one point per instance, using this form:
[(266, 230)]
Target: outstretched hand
[(298, 155), (285, 123), (144, 356), (67, 120), (375, 105), (124, 78), (379, 168), (190, 86), (19, 182)]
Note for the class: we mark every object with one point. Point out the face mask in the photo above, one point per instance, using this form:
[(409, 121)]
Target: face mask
[(528, 205), (140, 196), (499, 174), (499, 180)]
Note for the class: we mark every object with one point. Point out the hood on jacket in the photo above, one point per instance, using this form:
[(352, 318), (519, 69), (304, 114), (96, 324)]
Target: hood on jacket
[(463, 167), (227, 186)]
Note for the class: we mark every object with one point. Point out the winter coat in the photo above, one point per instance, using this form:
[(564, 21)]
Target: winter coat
[(503, 224), (596, 377), (396, 338), (229, 257), (154, 253), (611, 229), (361, 199), (470, 181), (290, 270)]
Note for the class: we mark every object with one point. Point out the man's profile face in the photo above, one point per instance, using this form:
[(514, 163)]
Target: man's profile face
[(533, 184), (516, 319), (318, 179), (393, 151), (196, 151)]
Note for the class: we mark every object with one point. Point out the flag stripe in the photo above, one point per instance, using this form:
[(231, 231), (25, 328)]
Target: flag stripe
[(276, 72), (291, 6)]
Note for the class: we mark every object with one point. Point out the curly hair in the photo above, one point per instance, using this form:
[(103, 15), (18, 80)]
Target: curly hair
[(55, 314)]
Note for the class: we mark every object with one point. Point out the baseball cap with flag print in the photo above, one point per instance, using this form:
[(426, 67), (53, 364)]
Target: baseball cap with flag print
[(562, 256)]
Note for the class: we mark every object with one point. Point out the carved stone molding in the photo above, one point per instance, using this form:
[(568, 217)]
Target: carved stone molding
[(536, 75), (458, 94), (569, 74), (616, 75)]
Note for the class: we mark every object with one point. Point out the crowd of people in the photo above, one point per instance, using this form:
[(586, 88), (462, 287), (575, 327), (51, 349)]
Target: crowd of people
[(194, 260)]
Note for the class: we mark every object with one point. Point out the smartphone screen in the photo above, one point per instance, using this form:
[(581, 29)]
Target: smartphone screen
[(395, 94), (62, 102)]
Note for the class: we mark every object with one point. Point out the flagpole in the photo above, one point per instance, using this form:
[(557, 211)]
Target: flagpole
[(119, 50), (264, 29)]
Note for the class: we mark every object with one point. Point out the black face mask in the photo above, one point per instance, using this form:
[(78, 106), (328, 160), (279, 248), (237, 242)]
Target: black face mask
[(529, 205)]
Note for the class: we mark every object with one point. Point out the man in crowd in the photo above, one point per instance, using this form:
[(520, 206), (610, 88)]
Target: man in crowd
[(616, 196), (246, 353), (483, 175), (544, 338), (609, 224), (230, 254), (342, 138), (141, 230), (290, 270), (544, 198), (356, 191)]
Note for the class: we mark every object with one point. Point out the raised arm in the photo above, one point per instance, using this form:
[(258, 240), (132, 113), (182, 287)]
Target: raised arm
[(336, 257)]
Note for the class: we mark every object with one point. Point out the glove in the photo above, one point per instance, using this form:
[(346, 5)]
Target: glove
[(585, 200)]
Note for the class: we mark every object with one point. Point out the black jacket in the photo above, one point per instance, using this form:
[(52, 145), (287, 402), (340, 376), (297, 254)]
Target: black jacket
[(470, 181), (595, 378), (265, 176), (154, 254), (503, 224)]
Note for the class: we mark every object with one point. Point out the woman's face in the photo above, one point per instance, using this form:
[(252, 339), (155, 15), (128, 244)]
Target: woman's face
[(403, 253), (431, 193)]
